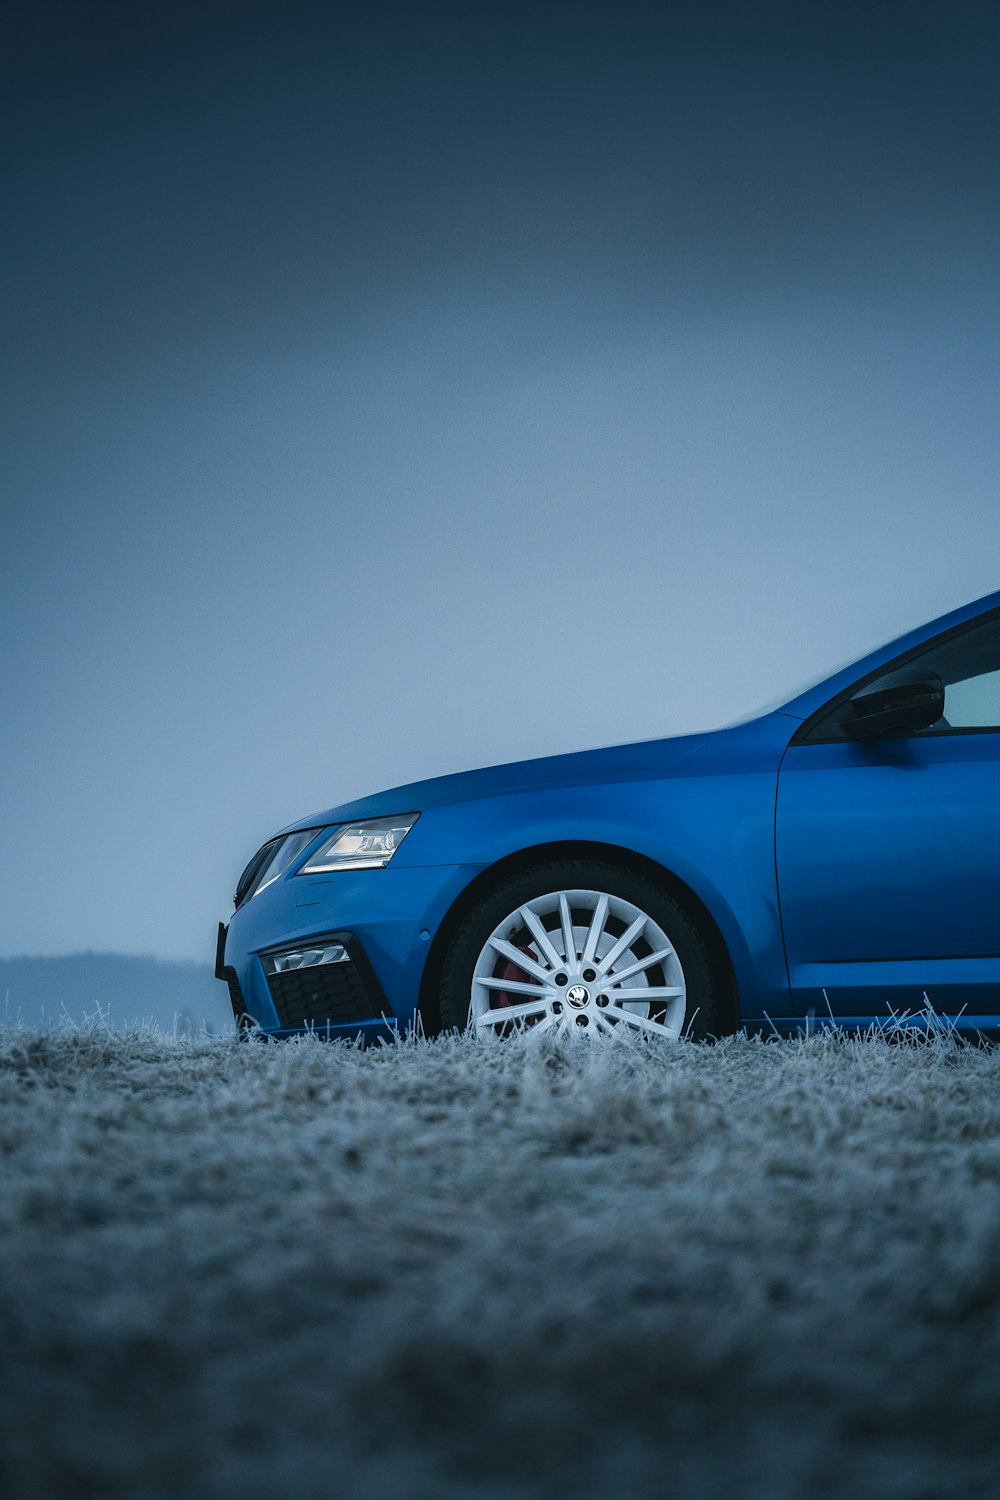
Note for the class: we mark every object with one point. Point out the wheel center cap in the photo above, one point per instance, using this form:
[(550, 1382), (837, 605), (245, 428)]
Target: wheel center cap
[(578, 996)]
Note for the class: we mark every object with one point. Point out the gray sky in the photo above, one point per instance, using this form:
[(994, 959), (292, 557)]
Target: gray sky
[(386, 397)]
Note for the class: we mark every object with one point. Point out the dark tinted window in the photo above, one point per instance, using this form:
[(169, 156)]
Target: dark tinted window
[(968, 664), (969, 667)]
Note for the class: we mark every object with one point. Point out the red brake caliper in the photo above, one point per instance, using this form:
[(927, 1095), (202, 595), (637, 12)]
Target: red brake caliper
[(510, 970)]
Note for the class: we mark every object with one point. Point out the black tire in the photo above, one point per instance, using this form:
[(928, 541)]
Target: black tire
[(703, 999)]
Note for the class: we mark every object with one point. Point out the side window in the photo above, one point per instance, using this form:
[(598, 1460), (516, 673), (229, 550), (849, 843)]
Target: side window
[(969, 666), (973, 703)]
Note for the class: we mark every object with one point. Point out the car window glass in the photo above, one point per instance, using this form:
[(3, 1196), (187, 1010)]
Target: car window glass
[(973, 703), (969, 666)]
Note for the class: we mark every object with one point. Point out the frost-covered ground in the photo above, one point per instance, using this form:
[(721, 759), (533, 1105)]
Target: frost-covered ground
[(441, 1270)]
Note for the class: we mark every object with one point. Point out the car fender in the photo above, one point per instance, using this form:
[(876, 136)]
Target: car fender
[(708, 823)]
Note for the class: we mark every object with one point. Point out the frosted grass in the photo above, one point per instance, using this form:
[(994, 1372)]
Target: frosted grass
[(441, 1269)]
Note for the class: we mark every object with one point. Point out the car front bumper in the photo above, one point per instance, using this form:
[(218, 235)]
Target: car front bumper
[(384, 919)]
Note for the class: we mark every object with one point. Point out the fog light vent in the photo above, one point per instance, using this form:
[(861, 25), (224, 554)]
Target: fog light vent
[(305, 958)]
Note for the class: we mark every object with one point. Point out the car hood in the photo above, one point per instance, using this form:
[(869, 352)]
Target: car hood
[(633, 762)]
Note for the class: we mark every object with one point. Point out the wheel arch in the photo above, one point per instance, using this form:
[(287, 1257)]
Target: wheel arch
[(627, 860)]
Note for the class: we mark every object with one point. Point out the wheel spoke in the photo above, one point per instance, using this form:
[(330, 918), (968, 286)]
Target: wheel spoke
[(624, 942), (637, 996), (516, 986), (541, 937), (639, 1022), (523, 962), (566, 921), (596, 928), (643, 963), (510, 1013), (545, 1024)]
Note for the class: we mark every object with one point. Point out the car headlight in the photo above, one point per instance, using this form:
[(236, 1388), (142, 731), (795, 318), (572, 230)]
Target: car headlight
[(368, 845)]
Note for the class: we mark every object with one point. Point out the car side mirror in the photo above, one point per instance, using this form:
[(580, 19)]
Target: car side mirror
[(902, 700)]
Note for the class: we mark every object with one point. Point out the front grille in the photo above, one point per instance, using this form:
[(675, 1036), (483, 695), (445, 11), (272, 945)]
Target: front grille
[(327, 994)]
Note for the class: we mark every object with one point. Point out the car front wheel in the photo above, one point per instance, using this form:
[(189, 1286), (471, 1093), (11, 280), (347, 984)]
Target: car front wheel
[(581, 948)]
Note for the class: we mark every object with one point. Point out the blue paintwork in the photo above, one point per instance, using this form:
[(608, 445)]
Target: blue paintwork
[(885, 856), (889, 856)]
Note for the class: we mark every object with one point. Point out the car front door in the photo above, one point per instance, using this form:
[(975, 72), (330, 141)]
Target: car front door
[(888, 848)]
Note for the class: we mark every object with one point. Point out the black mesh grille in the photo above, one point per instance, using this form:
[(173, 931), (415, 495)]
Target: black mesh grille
[(236, 998), (326, 993)]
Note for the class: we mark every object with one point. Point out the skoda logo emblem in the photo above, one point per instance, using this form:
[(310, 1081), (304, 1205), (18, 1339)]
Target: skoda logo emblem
[(578, 995)]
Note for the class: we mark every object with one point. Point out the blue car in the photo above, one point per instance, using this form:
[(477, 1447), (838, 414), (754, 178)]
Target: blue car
[(837, 856)]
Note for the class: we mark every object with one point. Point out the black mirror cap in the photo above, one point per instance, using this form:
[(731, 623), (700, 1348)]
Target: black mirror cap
[(910, 699)]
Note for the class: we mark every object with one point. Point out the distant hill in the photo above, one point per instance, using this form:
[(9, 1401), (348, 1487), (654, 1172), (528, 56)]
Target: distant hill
[(126, 987)]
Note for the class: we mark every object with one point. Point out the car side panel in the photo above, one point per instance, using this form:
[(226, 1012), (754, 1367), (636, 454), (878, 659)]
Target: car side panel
[(889, 867), (709, 820)]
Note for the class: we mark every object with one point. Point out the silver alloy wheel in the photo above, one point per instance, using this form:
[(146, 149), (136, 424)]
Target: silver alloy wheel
[(583, 962)]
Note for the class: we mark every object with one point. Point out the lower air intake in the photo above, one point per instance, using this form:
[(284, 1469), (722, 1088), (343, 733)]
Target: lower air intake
[(323, 995)]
